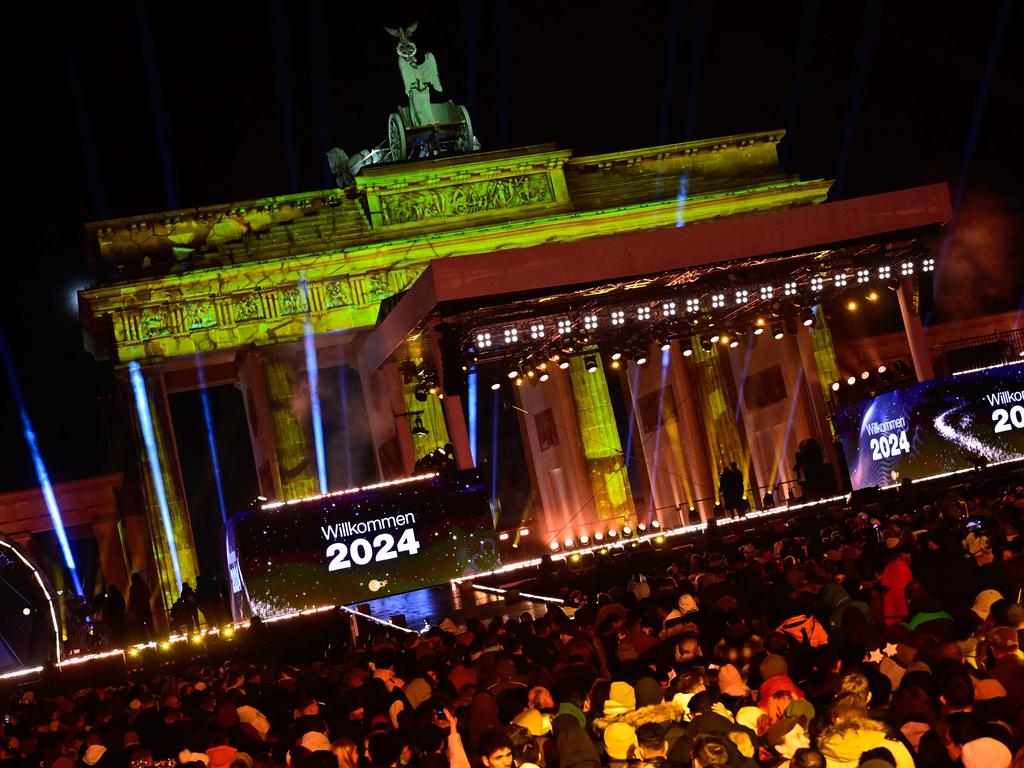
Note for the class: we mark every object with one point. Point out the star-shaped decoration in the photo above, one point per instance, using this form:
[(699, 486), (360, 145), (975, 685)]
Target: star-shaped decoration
[(875, 656), (890, 649)]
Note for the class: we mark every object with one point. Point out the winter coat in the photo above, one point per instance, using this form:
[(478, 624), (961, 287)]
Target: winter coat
[(843, 743)]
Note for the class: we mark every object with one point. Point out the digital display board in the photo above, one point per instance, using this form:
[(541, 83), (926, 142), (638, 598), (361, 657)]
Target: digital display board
[(938, 426), (359, 545)]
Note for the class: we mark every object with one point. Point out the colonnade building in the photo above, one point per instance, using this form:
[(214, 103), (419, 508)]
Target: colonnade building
[(600, 335)]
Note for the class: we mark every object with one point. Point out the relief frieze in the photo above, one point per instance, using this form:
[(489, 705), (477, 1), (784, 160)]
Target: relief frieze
[(466, 199)]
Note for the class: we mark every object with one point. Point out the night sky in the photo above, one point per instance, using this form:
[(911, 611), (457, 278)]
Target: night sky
[(127, 108)]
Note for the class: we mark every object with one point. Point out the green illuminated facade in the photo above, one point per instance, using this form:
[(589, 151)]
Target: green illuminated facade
[(227, 284)]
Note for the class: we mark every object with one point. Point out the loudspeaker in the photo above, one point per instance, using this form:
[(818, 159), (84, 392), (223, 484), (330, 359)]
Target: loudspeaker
[(452, 377), (364, 608), (398, 620)]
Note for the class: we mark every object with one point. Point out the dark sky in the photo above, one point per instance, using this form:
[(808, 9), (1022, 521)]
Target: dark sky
[(126, 108)]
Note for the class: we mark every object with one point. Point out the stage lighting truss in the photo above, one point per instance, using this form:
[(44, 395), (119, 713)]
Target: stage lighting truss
[(628, 327)]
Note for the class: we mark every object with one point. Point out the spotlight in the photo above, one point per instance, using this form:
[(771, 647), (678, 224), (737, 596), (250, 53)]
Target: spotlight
[(590, 361), (584, 540), (421, 394), (418, 428), (616, 355), (563, 364), (514, 373), (519, 382), (197, 638), (791, 327), (807, 318), (734, 340), (165, 645), (873, 296), (544, 376), (133, 652), (759, 325), (705, 343), (228, 631), (554, 546), (882, 369), (666, 345), (687, 351), (715, 336), (852, 380), (640, 357), (612, 533), (598, 536), (865, 375), (627, 531), (575, 557), (655, 524), (835, 386), (659, 539), (777, 331), (616, 364), (893, 284), (569, 543), (641, 528), (496, 385), (26, 611)]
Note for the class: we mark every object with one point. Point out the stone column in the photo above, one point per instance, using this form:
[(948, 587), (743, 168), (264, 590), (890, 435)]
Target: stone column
[(659, 434), (599, 436), (261, 427), (382, 396), (907, 295), (816, 400), (555, 456), (111, 552), (284, 380), (700, 483), (458, 431), (163, 492)]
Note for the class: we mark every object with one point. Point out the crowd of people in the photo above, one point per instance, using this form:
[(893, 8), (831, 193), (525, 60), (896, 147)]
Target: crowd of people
[(886, 638)]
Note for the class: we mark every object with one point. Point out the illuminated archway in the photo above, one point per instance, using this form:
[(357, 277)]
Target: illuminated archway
[(29, 628)]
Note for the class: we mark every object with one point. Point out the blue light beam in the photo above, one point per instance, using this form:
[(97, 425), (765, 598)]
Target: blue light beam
[(40, 467), (211, 440), (471, 406), (313, 375), (155, 470)]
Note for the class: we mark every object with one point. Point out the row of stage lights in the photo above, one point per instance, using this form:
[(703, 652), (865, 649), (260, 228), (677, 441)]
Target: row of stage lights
[(610, 536), (668, 310), (540, 370), (899, 370)]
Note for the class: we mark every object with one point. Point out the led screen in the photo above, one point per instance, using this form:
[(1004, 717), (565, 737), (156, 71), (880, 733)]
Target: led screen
[(359, 545), (939, 426)]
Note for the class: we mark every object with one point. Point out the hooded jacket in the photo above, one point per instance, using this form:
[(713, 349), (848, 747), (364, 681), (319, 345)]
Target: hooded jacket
[(843, 743)]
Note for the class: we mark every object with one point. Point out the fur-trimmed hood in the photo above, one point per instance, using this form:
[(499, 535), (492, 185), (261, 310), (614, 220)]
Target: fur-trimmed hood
[(843, 743), (666, 712)]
